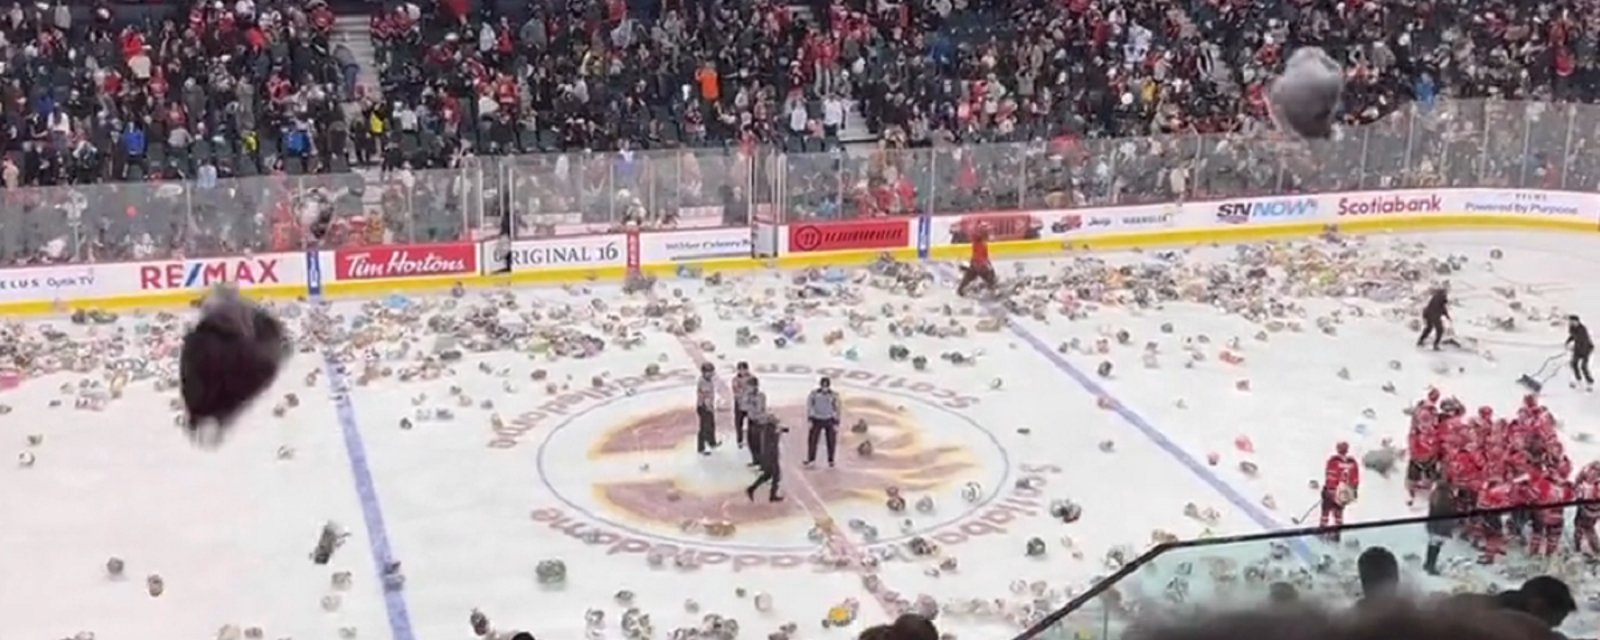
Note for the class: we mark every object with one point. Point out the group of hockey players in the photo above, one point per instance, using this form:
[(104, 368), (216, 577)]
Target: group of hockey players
[(1481, 462)]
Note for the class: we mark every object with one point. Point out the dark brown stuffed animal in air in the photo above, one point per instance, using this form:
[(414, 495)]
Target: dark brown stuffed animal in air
[(1305, 99), (230, 356)]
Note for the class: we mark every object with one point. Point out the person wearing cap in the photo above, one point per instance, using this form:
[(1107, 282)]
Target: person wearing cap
[(706, 408), (1582, 347), (822, 409)]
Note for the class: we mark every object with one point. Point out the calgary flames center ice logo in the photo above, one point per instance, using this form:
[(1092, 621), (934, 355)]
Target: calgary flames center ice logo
[(899, 458)]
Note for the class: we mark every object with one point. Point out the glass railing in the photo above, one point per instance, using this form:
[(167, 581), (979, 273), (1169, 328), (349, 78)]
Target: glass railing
[(1319, 565), (1497, 144)]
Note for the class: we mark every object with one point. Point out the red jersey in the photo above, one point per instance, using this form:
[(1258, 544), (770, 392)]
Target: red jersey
[(1340, 472), (1463, 470), (1550, 491), (1423, 442), (980, 250), (1589, 489), (1498, 495), (1546, 490)]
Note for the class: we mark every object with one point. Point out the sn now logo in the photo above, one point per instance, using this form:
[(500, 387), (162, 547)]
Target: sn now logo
[(1241, 212)]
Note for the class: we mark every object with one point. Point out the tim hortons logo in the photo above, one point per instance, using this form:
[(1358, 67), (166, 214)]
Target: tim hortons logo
[(403, 263)]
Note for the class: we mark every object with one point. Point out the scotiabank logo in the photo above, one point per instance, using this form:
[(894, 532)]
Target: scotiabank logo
[(377, 263), (890, 233), (206, 273), (1381, 205)]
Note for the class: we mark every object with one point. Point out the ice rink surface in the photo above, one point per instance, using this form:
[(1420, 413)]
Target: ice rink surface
[(602, 475)]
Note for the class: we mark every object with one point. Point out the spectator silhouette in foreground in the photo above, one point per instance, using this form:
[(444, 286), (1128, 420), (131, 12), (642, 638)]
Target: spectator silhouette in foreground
[(1380, 576), (1388, 619), (1544, 598), (906, 627)]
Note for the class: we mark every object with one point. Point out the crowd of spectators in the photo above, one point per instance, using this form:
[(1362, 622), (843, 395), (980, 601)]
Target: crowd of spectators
[(97, 98), (642, 108), (197, 91), (1171, 82)]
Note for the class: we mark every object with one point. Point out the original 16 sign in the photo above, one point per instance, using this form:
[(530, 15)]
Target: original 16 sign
[(585, 251)]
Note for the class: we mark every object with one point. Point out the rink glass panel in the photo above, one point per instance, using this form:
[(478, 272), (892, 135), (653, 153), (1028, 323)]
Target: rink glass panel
[(1171, 581), (1456, 144)]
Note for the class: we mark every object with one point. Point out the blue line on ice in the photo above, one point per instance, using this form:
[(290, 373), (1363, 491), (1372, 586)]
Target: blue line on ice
[(1149, 431), (394, 600)]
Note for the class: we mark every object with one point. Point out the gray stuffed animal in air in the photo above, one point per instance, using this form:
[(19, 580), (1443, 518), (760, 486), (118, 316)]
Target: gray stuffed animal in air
[(1305, 99)]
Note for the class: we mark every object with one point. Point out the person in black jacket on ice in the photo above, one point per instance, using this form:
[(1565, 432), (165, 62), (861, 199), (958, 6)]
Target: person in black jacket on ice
[(768, 457), (1582, 347), (1442, 522), (1433, 317)]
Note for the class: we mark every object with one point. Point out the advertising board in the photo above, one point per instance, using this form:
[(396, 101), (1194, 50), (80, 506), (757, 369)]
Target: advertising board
[(318, 270), (1549, 203), (49, 283), (877, 233), (200, 274), (1267, 210), (406, 261), (1389, 204)]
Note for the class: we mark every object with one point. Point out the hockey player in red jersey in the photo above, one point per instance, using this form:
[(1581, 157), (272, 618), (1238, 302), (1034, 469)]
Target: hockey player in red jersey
[(1547, 523), (1341, 485), (1585, 539), (1464, 468), (1482, 425), (1424, 447), (1489, 529), (1529, 409), (1523, 496), (979, 268)]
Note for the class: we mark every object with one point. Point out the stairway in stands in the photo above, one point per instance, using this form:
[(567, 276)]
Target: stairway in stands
[(354, 31), (855, 127)]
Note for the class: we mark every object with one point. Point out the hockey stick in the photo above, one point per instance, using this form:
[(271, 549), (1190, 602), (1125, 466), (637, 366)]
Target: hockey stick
[(1307, 514)]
